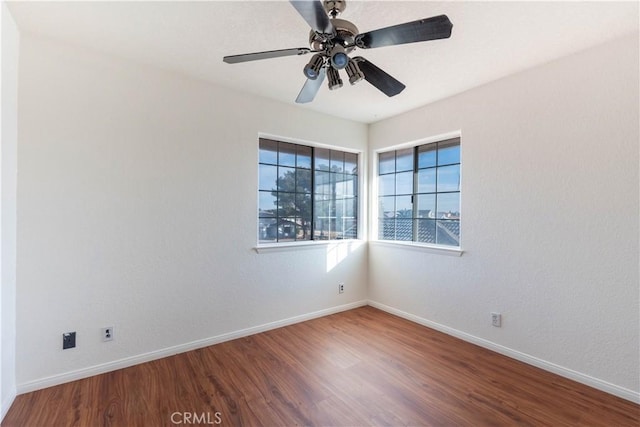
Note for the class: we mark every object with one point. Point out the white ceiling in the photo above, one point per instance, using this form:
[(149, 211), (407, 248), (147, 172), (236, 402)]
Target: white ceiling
[(489, 40)]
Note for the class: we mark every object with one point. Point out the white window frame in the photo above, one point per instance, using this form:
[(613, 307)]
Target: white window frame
[(311, 244), (420, 246)]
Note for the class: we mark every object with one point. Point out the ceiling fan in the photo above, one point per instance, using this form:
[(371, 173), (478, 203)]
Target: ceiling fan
[(332, 39)]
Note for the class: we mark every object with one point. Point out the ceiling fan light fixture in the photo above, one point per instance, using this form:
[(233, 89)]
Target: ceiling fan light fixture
[(339, 58), (312, 69), (335, 82), (354, 72)]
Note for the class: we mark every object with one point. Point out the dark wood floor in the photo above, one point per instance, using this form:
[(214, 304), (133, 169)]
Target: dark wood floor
[(360, 367)]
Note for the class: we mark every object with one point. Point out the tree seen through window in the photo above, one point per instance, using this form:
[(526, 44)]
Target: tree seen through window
[(306, 193)]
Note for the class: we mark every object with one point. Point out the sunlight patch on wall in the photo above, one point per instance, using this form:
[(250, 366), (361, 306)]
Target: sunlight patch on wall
[(339, 251)]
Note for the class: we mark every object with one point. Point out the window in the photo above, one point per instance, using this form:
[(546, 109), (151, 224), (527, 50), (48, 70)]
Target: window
[(306, 193), (419, 194)]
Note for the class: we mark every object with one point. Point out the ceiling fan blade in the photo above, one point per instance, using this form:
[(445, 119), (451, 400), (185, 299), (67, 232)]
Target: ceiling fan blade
[(234, 59), (378, 78), (310, 88), (437, 27), (313, 12)]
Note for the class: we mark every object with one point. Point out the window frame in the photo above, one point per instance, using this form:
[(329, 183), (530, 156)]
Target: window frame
[(374, 211), (311, 243)]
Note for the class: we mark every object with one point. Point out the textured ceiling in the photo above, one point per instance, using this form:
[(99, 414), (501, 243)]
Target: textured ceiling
[(489, 40)]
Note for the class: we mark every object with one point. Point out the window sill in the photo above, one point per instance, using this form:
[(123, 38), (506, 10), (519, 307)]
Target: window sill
[(312, 244), (441, 250)]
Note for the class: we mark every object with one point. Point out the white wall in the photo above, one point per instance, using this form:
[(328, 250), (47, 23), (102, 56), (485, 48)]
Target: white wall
[(137, 209), (10, 40), (550, 218), (127, 174)]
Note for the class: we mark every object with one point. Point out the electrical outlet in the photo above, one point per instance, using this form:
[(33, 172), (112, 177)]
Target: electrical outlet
[(107, 333), (340, 287), (68, 340), (496, 320)]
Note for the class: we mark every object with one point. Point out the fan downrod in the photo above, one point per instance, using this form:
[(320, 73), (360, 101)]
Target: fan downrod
[(334, 7)]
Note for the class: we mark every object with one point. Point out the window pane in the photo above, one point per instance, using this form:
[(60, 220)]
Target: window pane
[(286, 179), (303, 180), (286, 154), (350, 185), (267, 230), (386, 162), (426, 206), (321, 228), (449, 152), (386, 207), (303, 159), (287, 204), (332, 228), (303, 206), (339, 223), (350, 228), (321, 197), (322, 159), (268, 151), (404, 207), (321, 209), (404, 160), (427, 156), (448, 233), (323, 184), (387, 185), (448, 206), (303, 229), (337, 161), (351, 163), (404, 183), (286, 229), (267, 204), (404, 229), (351, 208), (267, 179), (337, 185), (449, 178), (427, 180), (387, 229), (426, 230)]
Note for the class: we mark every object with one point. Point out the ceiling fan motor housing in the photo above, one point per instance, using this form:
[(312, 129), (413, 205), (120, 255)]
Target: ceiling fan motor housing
[(345, 36)]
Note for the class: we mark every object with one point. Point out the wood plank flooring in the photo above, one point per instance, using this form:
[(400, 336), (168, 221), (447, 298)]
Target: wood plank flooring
[(356, 368)]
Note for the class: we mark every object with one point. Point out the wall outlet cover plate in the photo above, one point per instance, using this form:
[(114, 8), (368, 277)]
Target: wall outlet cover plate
[(68, 340)]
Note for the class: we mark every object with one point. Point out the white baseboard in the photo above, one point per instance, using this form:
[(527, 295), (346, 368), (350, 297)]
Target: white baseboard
[(170, 351), (514, 354), (6, 404)]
